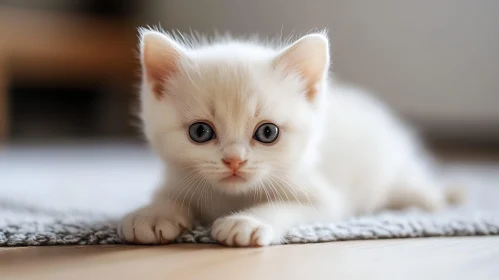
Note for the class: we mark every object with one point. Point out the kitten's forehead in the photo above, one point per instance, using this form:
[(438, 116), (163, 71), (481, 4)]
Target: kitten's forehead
[(233, 100), (235, 96)]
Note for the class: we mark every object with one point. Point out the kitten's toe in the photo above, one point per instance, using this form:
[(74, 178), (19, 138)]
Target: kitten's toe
[(242, 231), (144, 229), (137, 229), (166, 231)]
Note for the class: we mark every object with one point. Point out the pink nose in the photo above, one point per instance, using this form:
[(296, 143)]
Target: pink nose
[(233, 163)]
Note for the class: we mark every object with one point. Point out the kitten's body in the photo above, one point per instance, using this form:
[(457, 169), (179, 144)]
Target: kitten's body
[(339, 152)]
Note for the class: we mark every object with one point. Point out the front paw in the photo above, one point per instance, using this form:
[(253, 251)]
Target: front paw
[(242, 231), (147, 226)]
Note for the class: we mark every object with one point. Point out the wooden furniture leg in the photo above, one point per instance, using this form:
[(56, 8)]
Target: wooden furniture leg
[(4, 104)]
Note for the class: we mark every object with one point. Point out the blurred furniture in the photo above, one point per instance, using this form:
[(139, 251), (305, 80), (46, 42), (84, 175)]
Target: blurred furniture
[(41, 46)]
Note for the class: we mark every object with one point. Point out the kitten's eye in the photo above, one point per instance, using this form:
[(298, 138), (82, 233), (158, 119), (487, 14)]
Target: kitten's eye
[(201, 132), (267, 133)]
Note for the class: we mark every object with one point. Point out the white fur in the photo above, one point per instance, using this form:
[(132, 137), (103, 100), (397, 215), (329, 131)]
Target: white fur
[(340, 153)]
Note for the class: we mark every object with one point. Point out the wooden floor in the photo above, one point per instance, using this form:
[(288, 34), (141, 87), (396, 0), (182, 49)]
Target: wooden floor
[(424, 258)]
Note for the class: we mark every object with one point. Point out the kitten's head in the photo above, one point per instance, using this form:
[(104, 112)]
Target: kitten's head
[(232, 114)]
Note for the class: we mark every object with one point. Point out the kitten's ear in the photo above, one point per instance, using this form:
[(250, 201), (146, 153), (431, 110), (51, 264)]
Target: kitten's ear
[(309, 57), (160, 57)]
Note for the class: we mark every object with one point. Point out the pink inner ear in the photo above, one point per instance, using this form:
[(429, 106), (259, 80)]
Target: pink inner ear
[(160, 64), (157, 77), (309, 57), (311, 77)]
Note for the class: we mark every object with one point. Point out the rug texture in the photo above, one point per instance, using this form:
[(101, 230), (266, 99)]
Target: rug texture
[(26, 226)]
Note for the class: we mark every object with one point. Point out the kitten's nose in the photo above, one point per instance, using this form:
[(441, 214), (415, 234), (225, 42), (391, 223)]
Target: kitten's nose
[(233, 163)]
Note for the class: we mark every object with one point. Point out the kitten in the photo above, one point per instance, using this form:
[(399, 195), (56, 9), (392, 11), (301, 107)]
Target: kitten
[(257, 139)]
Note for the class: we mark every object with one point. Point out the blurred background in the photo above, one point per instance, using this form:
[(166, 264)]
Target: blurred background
[(69, 75), (68, 68)]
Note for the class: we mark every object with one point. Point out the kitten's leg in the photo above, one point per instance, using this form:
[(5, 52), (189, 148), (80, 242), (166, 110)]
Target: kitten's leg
[(158, 223), (428, 198), (267, 223)]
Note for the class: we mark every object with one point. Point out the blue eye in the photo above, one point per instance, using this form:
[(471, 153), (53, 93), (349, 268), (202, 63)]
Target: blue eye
[(201, 132), (267, 133)]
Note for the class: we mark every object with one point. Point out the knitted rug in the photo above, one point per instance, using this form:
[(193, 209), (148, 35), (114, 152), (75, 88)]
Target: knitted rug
[(21, 226), (80, 203)]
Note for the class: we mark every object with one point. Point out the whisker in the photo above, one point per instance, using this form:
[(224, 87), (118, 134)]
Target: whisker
[(282, 189), (285, 175), (178, 185), (301, 188), (188, 166), (291, 188), (195, 190), (203, 190), (255, 193), (190, 186), (278, 195), (267, 194), (206, 200)]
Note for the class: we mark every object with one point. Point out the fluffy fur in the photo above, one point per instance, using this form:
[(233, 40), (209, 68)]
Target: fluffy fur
[(339, 151)]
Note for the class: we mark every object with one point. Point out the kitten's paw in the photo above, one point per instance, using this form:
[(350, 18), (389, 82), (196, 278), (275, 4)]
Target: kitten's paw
[(242, 231), (146, 227)]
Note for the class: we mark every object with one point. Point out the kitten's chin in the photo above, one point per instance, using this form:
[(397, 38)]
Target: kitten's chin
[(234, 184)]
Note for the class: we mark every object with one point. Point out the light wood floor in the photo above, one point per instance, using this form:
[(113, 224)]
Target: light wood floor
[(425, 258)]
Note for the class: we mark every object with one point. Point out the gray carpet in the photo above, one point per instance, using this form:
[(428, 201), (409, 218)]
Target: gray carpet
[(75, 196), (24, 226)]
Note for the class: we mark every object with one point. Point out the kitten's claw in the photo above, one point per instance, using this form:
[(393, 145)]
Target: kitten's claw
[(142, 227), (242, 231)]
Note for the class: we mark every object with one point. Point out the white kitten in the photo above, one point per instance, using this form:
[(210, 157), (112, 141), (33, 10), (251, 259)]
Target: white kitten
[(257, 139)]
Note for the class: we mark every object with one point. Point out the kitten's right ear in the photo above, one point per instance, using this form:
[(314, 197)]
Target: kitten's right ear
[(309, 57), (160, 57)]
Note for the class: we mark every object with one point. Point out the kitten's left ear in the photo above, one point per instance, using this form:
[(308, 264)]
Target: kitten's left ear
[(309, 57), (160, 58)]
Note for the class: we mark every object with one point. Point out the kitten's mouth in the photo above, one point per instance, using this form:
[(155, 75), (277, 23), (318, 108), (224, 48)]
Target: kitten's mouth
[(233, 178)]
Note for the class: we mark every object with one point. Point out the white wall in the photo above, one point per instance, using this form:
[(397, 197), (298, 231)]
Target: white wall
[(437, 62)]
